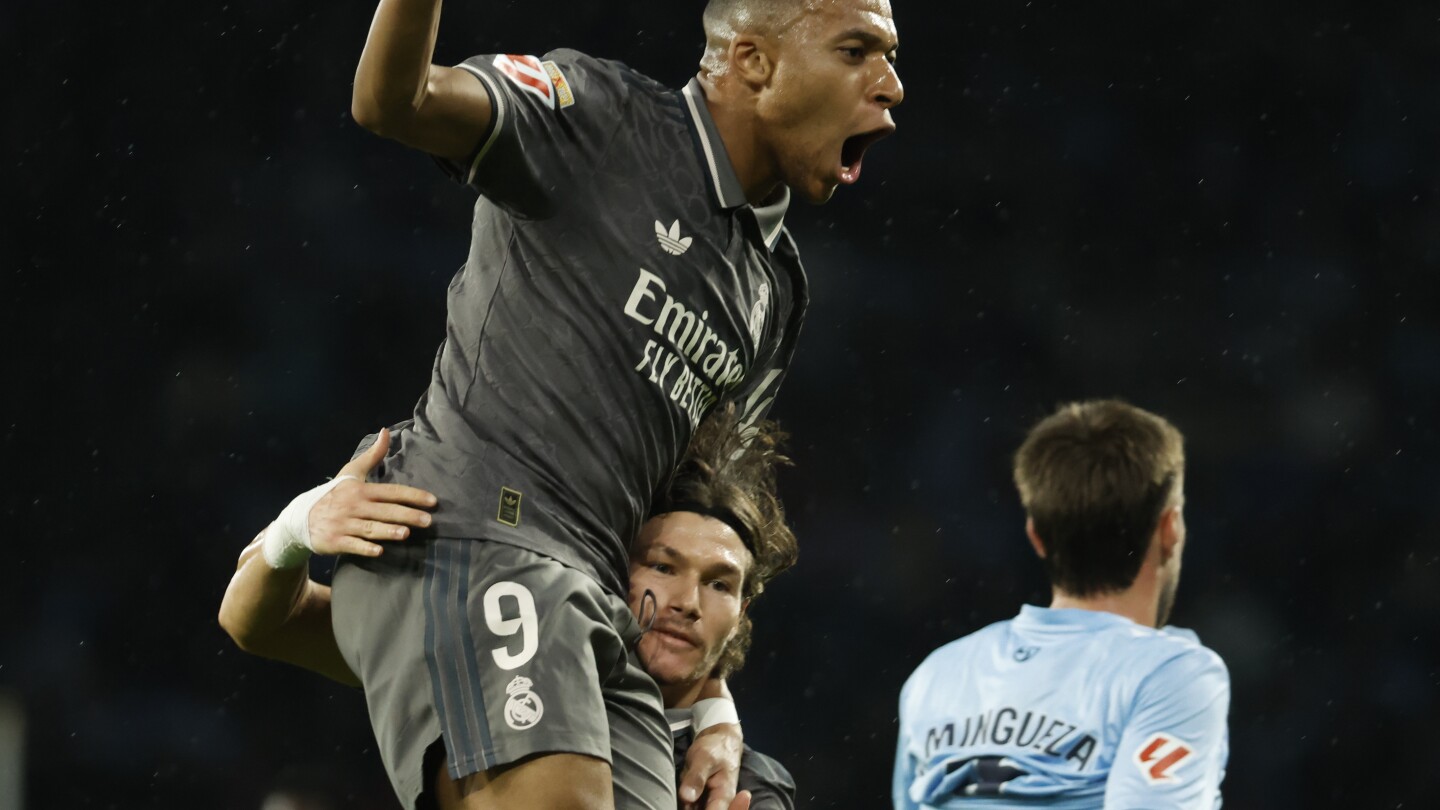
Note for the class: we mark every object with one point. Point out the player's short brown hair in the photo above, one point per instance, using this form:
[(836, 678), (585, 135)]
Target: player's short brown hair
[(1095, 477), (730, 471)]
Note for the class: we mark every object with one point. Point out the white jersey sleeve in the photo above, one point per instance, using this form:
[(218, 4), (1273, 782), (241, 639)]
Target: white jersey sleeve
[(1173, 750)]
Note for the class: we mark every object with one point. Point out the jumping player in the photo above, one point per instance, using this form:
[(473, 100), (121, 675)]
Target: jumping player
[(1092, 702), (718, 537), (629, 267)]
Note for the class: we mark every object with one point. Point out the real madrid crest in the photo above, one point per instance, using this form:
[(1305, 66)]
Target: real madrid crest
[(757, 315), (524, 709)]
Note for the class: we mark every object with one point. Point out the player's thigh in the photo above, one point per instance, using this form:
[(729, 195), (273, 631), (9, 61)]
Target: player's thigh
[(496, 651), (523, 651), (379, 623), (559, 781)]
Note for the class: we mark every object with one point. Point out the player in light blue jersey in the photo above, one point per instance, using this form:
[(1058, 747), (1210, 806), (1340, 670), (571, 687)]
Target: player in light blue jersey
[(1084, 704)]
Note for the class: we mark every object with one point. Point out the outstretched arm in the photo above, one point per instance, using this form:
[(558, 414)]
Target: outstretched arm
[(399, 94), (278, 611)]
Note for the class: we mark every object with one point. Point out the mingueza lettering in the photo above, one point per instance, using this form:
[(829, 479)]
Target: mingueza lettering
[(1008, 727), (688, 359)]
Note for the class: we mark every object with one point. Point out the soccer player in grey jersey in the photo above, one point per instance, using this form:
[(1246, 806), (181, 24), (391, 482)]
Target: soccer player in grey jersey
[(718, 537), (629, 268)]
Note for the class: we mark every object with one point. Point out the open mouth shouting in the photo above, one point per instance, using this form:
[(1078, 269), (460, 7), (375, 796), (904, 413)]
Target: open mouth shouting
[(852, 152)]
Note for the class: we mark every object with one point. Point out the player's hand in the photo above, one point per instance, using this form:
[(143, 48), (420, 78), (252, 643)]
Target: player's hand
[(742, 801), (354, 512), (712, 769)]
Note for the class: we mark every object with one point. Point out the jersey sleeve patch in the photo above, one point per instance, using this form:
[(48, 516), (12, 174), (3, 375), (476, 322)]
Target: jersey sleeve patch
[(1159, 757), (543, 80)]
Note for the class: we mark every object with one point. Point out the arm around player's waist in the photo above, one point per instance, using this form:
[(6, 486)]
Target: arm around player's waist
[(272, 608), (282, 614), (400, 95)]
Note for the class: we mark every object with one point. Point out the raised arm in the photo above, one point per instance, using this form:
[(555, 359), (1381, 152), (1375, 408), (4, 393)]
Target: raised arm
[(272, 608), (399, 94)]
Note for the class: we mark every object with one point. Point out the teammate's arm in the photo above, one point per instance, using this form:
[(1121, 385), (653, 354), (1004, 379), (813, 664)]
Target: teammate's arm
[(712, 762), (1173, 750), (399, 94), (279, 612)]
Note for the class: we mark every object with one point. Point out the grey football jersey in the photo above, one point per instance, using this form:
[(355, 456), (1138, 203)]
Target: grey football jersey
[(771, 786), (617, 287)]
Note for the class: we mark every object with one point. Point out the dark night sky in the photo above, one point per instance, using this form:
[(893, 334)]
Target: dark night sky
[(215, 283)]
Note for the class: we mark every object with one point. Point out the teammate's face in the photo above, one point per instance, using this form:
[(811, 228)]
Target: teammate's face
[(830, 96), (695, 566)]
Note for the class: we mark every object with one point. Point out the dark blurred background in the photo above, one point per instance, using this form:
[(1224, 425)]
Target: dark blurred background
[(1226, 212)]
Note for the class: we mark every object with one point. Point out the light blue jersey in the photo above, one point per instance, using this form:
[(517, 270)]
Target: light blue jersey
[(1067, 709)]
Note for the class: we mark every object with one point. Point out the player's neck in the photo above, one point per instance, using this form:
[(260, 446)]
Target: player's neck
[(1138, 603), (735, 121), (681, 695)]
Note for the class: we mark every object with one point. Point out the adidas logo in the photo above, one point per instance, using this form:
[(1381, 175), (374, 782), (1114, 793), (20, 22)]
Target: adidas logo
[(671, 241)]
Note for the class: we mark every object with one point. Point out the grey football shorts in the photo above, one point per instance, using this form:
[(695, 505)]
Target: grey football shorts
[(504, 653)]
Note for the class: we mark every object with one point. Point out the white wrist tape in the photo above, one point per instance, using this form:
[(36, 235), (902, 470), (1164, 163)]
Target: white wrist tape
[(712, 712), (287, 540)]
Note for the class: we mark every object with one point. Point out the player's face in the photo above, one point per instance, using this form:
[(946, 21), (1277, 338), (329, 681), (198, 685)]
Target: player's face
[(830, 97), (695, 566)]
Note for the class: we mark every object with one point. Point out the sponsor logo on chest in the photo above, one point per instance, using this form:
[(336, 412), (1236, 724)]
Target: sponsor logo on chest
[(688, 358)]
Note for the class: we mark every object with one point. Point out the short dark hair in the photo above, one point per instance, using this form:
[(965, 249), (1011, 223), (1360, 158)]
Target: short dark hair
[(724, 16), (729, 469), (1094, 477), (724, 19)]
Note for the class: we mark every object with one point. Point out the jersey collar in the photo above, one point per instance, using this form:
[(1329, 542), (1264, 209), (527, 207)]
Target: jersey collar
[(729, 193), (1073, 617), (679, 719)]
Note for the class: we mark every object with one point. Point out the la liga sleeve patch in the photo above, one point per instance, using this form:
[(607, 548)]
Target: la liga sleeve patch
[(543, 80), (1159, 757)]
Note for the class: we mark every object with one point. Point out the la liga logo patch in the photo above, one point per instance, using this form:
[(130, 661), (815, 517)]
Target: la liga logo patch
[(543, 80), (1160, 757)]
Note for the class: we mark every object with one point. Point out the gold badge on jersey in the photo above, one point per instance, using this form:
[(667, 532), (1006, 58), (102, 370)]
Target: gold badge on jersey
[(509, 507), (563, 96)]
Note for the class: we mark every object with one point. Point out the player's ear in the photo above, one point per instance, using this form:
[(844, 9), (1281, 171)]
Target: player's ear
[(1169, 533), (751, 61), (1035, 541)]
